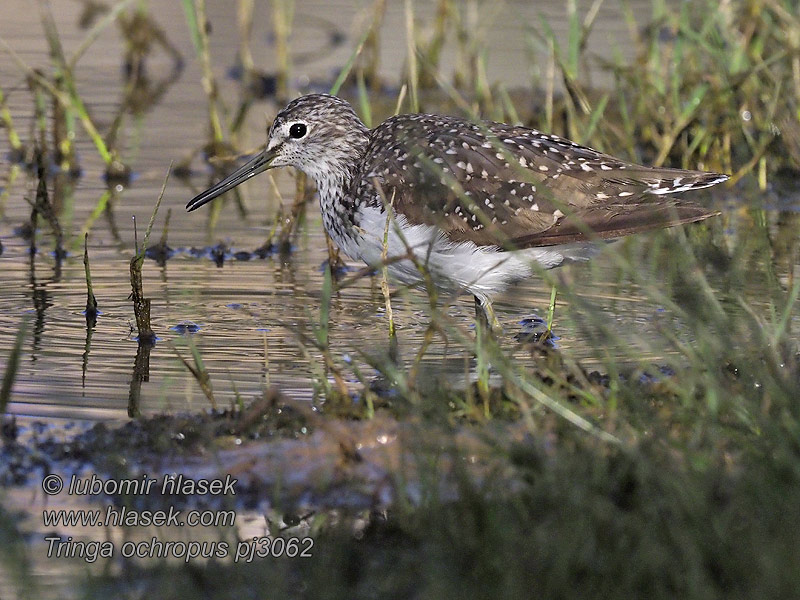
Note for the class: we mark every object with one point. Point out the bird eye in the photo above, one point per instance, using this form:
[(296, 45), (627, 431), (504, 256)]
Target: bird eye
[(297, 130)]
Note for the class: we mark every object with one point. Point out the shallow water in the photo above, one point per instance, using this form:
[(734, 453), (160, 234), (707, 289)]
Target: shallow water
[(247, 312)]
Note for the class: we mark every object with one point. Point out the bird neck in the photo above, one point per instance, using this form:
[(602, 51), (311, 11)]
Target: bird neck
[(337, 206), (336, 171), (333, 184), (335, 174)]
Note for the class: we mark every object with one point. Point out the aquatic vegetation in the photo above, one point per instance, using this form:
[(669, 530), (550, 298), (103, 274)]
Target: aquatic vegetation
[(90, 311), (141, 305), (644, 405), (198, 371), (10, 371)]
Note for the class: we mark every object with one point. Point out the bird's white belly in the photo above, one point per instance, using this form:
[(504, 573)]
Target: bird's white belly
[(454, 266)]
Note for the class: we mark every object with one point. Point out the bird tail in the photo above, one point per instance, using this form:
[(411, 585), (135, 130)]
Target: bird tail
[(672, 181)]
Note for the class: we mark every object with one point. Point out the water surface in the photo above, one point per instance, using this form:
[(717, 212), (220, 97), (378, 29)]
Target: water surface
[(246, 312)]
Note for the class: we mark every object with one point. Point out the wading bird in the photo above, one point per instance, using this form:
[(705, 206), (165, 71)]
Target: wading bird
[(473, 204)]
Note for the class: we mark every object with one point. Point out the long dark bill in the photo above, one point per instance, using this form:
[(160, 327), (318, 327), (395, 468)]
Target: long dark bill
[(261, 162)]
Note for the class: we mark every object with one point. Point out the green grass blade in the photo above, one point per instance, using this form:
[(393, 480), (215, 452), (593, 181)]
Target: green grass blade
[(594, 119), (325, 307), (348, 66), (194, 28)]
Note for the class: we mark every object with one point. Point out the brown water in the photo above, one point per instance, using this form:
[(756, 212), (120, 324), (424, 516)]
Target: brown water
[(247, 311)]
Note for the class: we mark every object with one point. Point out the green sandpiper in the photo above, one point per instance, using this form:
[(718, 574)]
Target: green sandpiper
[(475, 204)]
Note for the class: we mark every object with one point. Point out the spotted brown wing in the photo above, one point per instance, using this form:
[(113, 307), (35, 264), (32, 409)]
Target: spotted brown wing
[(496, 184)]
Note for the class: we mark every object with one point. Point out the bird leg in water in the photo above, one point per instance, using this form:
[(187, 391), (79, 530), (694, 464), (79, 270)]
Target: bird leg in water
[(485, 316)]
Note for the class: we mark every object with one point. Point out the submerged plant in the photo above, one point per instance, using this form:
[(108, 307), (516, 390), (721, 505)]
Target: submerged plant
[(141, 305)]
